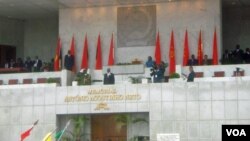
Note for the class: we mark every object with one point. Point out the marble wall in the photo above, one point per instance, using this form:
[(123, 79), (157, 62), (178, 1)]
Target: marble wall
[(195, 110)]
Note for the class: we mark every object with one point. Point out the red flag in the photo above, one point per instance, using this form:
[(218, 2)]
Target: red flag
[(186, 50), (172, 55), (57, 59), (158, 49), (72, 52), (111, 52), (200, 50), (215, 49), (27, 132), (98, 54), (85, 54)]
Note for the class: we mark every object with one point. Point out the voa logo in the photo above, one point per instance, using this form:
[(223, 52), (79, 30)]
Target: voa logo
[(236, 132)]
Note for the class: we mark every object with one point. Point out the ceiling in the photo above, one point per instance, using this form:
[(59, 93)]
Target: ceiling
[(28, 9), (32, 9), (236, 3)]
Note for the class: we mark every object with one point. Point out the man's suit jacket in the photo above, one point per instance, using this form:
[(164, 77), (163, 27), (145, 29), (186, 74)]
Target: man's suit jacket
[(109, 79), (68, 62), (191, 77), (192, 62), (38, 64)]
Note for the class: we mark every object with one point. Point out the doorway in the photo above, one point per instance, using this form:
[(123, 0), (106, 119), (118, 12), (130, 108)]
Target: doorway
[(104, 128), (6, 54)]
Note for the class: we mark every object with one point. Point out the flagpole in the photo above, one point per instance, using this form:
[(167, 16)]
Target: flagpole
[(66, 126), (27, 132), (51, 134)]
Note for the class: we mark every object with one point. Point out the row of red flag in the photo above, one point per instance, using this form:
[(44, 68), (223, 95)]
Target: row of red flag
[(85, 56), (172, 63)]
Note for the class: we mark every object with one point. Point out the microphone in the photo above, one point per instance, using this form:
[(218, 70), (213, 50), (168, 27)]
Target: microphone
[(238, 73), (238, 69)]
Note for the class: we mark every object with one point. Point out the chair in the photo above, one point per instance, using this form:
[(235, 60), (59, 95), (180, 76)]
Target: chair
[(199, 74), (27, 81), (239, 73), (41, 80), (219, 74), (13, 81)]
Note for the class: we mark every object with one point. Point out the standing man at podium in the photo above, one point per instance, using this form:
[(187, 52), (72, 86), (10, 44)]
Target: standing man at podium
[(191, 74), (109, 78)]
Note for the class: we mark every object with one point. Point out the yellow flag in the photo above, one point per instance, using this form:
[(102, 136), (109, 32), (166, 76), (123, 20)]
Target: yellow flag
[(48, 137)]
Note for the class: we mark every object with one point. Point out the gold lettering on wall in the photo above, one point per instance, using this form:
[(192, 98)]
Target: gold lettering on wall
[(102, 106), (102, 94)]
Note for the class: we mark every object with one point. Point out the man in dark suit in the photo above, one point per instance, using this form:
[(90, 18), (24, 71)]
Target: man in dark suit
[(159, 73), (192, 61), (37, 64), (247, 56), (191, 75), (238, 55), (226, 57), (69, 61), (109, 78), (28, 64)]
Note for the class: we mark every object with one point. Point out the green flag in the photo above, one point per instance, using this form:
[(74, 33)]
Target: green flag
[(62, 132), (58, 134)]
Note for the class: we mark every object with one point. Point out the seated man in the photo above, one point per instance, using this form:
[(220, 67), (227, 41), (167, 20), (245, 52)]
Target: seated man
[(192, 61), (109, 78), (206, 61)]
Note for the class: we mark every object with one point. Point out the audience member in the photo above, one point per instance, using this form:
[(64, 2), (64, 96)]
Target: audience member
[(28, 64), (45, 67), (19, 63), (226, 57), (12, 63), (6, 64), (37, 64), (193, 61), (150, 62), (109, 77), (69, 61), (247, 56), (238, 55), (51, 65)]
